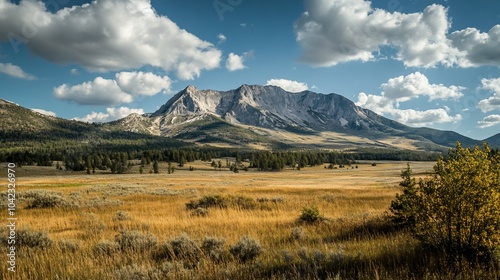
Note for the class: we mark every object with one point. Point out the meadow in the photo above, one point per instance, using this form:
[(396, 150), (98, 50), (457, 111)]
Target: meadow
[(216, 224)]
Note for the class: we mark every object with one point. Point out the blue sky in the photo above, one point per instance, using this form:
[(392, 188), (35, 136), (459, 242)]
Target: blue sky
[(423, 63)]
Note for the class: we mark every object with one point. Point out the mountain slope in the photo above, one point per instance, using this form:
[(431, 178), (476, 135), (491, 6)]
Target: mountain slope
[(494, 141), (21, 127), (305, 119)]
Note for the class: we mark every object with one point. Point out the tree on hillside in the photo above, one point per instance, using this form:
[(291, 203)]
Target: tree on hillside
[(457, 210), (155, 167), (403, 206)]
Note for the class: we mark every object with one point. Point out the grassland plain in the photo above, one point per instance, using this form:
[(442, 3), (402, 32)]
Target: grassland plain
[(137, 226)]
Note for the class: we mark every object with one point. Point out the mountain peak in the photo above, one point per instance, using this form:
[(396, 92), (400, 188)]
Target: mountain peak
[(190, 89), (271, 109)]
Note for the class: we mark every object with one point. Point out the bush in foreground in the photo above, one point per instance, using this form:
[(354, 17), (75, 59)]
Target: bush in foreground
[(246, 249), (458, 209)]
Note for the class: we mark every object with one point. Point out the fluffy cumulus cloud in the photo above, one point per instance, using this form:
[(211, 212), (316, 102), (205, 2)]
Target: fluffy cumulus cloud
[(110, 115), (98, 92), (107, 92), (140, 83), (288, 85), (489, 121), (493, 102), (107, 35), (235, 62), (336, 31), (405, 88), (15, 71), (477, 48), (45, 112)]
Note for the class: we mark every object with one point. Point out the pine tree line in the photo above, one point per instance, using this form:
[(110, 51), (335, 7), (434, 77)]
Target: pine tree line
[(119, 161)]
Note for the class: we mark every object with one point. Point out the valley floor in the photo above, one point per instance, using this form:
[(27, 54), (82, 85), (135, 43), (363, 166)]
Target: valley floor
[(137, 226)]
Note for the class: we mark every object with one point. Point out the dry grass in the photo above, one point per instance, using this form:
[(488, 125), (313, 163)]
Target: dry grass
[(353, 241)]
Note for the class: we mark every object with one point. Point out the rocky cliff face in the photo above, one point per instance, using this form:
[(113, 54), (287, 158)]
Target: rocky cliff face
[(269, 107), (273, 112)]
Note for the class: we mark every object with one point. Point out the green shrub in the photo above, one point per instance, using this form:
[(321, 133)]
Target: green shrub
[(246, 249), (457, 210), (310, 215)]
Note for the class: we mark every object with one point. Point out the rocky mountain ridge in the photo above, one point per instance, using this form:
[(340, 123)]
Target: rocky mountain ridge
[(305, 119)]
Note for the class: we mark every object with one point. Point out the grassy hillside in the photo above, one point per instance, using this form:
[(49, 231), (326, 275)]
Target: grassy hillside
[(22, 129), (216, 131)]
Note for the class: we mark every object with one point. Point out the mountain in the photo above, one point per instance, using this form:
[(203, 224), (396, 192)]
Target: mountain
[(21, 127), (494, 140), (268, 116), (251, 116)]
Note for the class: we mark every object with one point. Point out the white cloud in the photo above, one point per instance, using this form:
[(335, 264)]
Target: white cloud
[(402, 89), (110, 115), (122, 89), (45, 112), (493, 102), (288, 85), (377, 103), (423, 118), (107, 35), (235, 62), (383, 106), (477, 48), (140, 83), (15, 71), (98, 92), (74, 72), (489, 121), (222, 38), (337, 31)]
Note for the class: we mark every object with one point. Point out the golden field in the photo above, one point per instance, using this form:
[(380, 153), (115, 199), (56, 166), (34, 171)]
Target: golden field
[(353, 241)]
